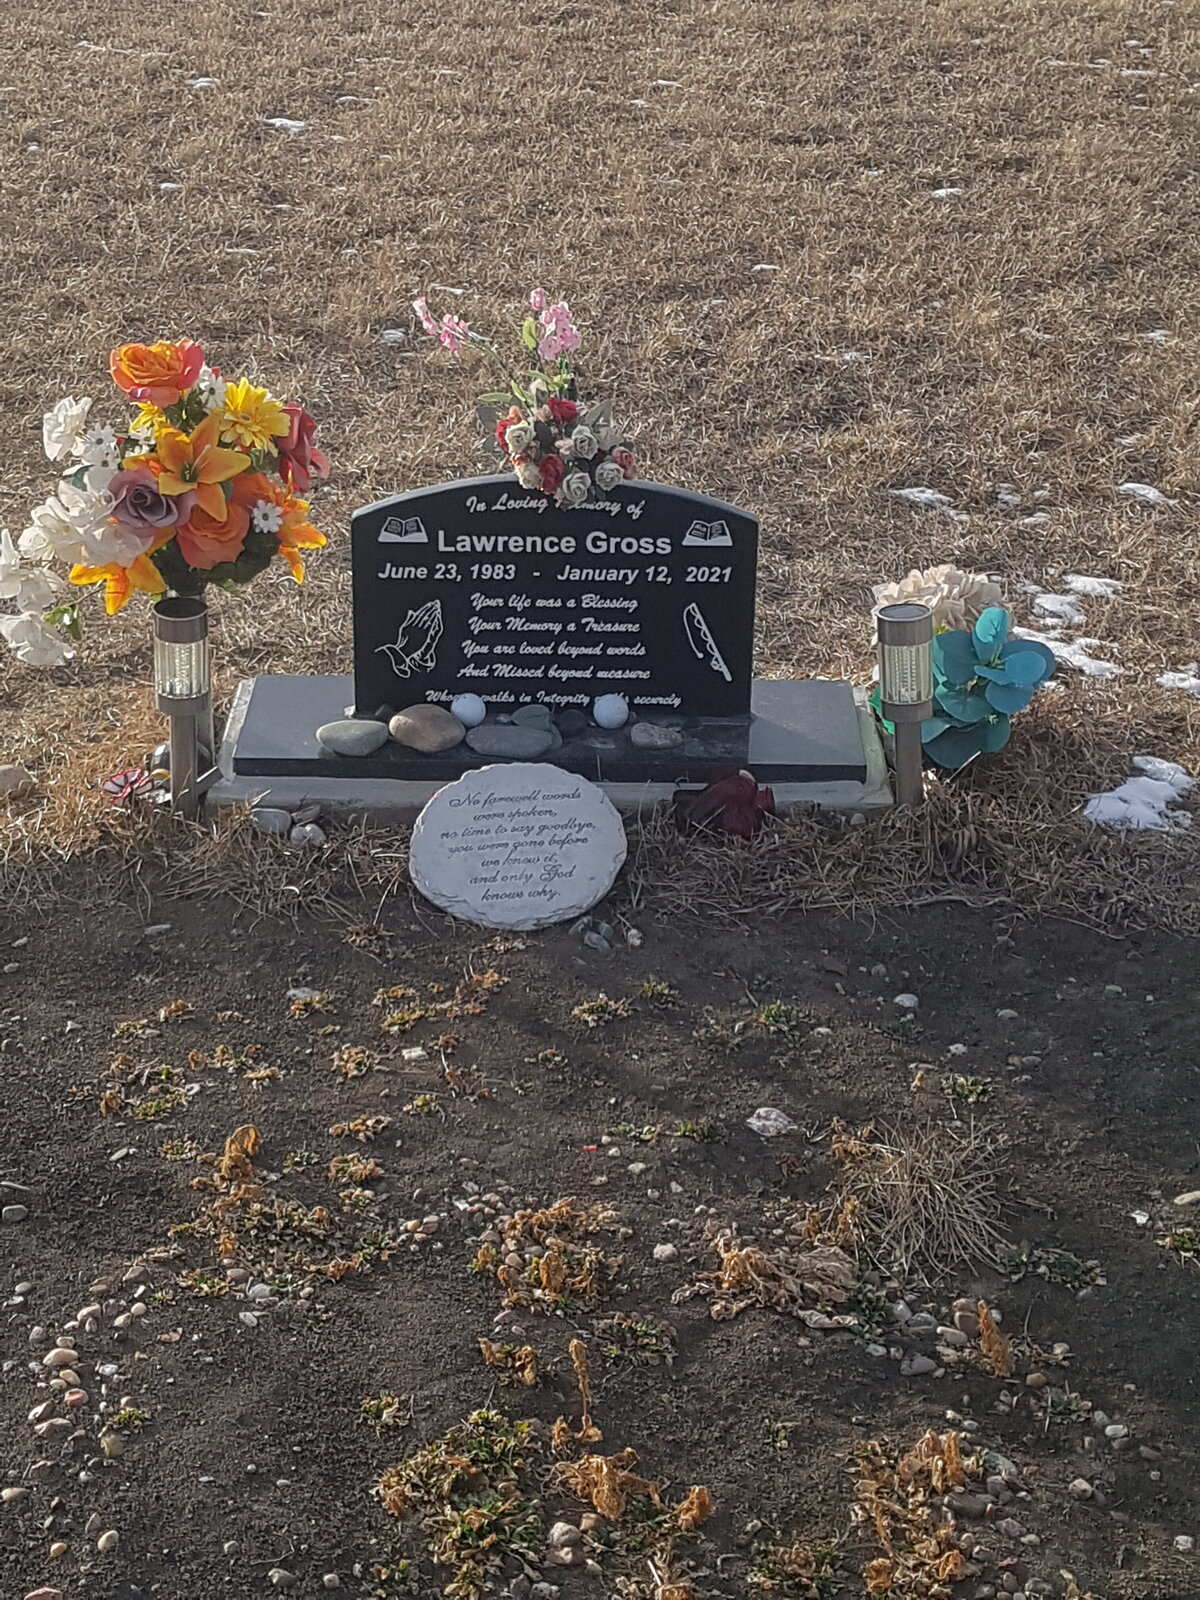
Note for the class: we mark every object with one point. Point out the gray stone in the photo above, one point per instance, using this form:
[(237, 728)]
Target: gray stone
[(269, 819), (918, 1367), (532, 716), (307, 834), (354, 736), (15, 781), (573, 722), (514, 742), (427, 728), (653, 736), (14, 1213), (1191, 1198)]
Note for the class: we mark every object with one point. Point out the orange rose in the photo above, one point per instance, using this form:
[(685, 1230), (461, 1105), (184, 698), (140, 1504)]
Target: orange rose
[(157, 374), (204, 542)]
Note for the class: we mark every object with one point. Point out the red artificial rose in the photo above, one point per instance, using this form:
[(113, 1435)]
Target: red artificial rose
[(299, 458), (552, 470), (563, 411)]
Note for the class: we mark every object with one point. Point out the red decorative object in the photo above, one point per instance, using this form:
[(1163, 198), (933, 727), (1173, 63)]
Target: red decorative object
[(132, 784), (735, 804)]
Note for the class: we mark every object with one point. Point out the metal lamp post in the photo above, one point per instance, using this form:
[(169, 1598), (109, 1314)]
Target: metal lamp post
[(183, 690), (906, 688)]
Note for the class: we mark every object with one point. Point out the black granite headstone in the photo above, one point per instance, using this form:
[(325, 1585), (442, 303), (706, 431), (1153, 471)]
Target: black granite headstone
[(483, 587)]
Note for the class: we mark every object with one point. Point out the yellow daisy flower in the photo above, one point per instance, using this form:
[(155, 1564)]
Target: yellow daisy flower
[(252, 420)]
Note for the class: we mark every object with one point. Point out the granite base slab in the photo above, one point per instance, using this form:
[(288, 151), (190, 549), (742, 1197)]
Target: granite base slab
[(813, 741)]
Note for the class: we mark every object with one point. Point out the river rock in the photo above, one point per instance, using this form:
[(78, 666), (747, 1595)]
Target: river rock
[(512, 741), (427, 728), (573, 722), (14, 1213), (270, 819), (1191, 1198), (355, 736), (15, 781), (653, 736), (532, 716)]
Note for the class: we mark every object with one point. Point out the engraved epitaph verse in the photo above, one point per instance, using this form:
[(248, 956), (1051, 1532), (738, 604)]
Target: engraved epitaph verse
[(481, 586), (517, 846)]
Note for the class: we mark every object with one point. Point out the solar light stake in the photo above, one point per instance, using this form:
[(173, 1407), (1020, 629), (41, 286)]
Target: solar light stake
[(183, 689), (906, 688)]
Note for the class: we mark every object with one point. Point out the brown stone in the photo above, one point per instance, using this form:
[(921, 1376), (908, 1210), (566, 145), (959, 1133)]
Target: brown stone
[(427, 728)]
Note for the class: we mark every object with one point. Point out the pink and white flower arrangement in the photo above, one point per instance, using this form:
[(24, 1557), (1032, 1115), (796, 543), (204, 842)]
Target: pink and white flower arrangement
[(552, 443)]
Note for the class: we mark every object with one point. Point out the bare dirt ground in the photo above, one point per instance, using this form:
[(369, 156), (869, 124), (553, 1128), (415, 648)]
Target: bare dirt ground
[(820, 254), (246, 1425)]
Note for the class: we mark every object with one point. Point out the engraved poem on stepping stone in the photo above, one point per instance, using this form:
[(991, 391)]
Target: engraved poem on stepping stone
[(517, 846)]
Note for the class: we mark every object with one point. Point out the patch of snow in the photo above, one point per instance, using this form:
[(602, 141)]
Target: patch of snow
[(930, 499), (202, 83), (446, 288), (353, 100), (1074, 653), (640, 104), (1144, 802), (285, 124), (1095, 588), (1186, 679), (169, 188), (1034, 521), (665, 83), (239, 250), (764, 267), (1145, 492), (1138, 72), (943, 194), (1061, 607), (1159, 335)]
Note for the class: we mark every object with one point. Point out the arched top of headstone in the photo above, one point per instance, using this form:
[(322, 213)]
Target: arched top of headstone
[(483, 586)]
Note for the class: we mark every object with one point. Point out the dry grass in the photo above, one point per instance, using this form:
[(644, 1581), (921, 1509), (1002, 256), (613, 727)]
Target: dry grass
[(922, 1197), (992, 336)]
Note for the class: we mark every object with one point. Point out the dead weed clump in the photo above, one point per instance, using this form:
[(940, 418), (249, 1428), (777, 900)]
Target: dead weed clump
[(545, 1261), (795, 1282), (468, 1494), (926, 1197), (902, 1499)]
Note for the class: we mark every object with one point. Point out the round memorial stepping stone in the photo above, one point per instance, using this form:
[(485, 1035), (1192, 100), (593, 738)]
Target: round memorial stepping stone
[(511, 740), (517, 846), (353, 737), (426, 727)]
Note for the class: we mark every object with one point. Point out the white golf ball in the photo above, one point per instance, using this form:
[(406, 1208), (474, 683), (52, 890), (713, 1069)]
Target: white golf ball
[(469, 709), (611, 711)]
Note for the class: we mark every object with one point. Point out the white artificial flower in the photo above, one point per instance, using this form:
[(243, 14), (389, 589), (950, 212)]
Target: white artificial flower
[(33, 642), (29, 587), (100, 542), (97, 447), (267, 517), (956, 598), (51, 535), (210, 386), (10, 567), (62, 426), (528, 475), (585, 442), (576, 487), (143, 430), (608, 475), (518, 436)]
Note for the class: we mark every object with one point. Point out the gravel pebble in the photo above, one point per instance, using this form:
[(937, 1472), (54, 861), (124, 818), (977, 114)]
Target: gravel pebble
[(14, 1213), (906, 1002), (1185, 1544), (665, 1252), (107, 1541)]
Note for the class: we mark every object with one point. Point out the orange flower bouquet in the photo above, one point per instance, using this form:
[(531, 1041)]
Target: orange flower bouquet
[(203, 487)]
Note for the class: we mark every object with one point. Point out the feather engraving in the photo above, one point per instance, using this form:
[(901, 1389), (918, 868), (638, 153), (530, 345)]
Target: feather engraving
[(704, 646)]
